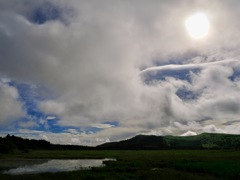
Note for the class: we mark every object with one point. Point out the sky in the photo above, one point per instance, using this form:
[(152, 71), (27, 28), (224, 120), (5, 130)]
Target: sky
[(89, 72)]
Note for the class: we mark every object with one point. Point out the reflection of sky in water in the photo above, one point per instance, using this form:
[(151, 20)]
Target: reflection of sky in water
[(57, 166)]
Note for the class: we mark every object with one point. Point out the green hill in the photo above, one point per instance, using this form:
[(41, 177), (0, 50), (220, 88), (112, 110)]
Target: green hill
[(137, 142), (202, 141)]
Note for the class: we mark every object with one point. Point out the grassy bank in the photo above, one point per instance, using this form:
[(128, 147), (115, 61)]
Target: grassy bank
[(157, 164)]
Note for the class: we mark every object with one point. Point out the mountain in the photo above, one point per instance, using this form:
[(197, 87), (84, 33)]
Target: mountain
[(202, 141)]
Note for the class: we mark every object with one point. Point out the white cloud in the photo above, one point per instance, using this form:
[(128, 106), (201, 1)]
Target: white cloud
[(50, 117), (11, 108), (102, 126), (177, 67), (189, 133), (212, 129), (51, 107), (44, 123), (72, 131), (28, 124)]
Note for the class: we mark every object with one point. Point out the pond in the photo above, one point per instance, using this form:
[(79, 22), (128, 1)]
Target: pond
[(34, 166)]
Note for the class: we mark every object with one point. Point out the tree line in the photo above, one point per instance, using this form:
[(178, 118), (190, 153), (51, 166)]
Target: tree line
[(11, 143)]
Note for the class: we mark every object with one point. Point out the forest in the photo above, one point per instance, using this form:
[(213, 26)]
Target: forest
[(11, 143)]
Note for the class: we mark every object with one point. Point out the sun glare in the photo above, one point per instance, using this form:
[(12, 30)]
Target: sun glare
[(197, 25)]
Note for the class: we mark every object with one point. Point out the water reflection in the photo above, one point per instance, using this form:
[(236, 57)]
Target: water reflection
[(57, 166)]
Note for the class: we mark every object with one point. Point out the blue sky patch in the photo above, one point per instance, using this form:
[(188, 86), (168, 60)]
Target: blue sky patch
[(49, 11), (30, 95), (235, 75), (185, 94), (163, 74), (114, 123), (46, 12)]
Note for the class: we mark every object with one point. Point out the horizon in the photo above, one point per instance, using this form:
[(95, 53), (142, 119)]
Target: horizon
[(140, 141), (87, 73)]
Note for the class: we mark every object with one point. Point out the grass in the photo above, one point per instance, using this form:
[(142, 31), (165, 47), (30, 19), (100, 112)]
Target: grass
[(141, 164)]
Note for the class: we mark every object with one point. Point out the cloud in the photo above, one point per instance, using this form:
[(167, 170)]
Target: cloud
[(102, 126), (93, 56), (212, 129), (10, 108), (177, 67), (50, 117), (72, 131), (189, 133), (28, 124), (51, 107)]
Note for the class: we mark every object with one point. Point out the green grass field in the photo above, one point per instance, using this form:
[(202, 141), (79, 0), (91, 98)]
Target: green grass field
[(141, 164)]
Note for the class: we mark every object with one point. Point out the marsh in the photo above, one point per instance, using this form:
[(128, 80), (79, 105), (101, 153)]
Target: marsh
[(34, 166)]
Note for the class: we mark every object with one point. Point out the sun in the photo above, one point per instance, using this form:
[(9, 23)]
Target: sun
[(197, 25)]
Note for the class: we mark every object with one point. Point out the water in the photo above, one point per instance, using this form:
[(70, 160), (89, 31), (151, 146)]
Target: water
[(55, 165)]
